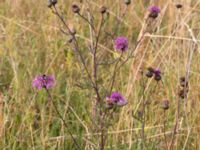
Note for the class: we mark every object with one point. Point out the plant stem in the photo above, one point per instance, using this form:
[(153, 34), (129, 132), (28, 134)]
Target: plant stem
[(164, 128), (143, 112), (176, 124), (63, 120)]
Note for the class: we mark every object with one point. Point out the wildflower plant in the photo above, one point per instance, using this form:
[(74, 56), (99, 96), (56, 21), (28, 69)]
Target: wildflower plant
[(107, 98)]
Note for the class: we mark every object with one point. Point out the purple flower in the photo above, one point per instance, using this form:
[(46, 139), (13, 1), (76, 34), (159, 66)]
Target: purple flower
[(43, 81), (116, 98), (154, 11), (157, 72), (121, 43)]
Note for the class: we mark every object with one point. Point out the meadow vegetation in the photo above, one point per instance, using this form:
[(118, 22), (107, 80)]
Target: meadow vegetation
[(155, 76)]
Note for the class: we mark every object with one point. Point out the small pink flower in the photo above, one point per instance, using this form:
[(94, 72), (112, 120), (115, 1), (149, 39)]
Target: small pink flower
[(43, 81)]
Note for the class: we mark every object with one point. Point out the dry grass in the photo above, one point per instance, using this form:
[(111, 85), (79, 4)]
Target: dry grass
[(31, 43)]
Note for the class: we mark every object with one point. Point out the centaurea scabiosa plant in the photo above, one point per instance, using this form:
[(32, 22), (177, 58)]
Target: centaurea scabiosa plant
[(91, 70)]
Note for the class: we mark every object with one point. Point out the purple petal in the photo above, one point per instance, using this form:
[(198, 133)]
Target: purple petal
[(121, 43), (43, 81), (154, 9), (116, 98)]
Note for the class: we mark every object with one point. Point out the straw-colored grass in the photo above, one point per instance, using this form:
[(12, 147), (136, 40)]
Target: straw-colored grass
[(31, 43)]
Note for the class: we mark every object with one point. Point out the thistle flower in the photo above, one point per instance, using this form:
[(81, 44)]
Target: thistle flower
[(116, 99), (43, 81), (157, 74), (121, 43), (154, 11)]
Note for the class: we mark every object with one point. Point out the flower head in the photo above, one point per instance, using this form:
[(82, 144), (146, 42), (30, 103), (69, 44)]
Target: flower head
[(116, 98), (121, 43), (75, 8), (43, 81), (154, 11), (157, 74)]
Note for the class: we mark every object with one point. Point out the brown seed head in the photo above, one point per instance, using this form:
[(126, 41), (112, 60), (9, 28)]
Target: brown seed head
[(103, 9), (165, 104), (75, 8)]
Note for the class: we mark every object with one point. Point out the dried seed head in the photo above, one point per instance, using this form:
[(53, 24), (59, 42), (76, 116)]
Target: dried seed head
[(54, 2), (178, 6), (49, 4), (103, 9), (183, 82), (183, 93), (127, 2), (73, 31), (149, 72), (165, 104), (75, 8)]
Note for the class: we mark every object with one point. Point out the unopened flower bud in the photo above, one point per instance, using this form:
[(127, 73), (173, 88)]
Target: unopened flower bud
[(73, 31), (165, 104), (103, 9), (157, 77), (127, 2), (178, 6), (149, 72), (183, 93), (183, 82), (54, 2), (49, 3), (75, 8)]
